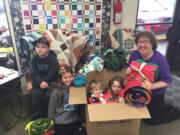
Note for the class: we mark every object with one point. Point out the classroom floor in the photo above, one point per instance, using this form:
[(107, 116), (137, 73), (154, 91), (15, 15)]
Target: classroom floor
[(14, 105), (17, 125)]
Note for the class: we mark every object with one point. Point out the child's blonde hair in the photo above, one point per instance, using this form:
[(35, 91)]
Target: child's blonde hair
[(94, 83)]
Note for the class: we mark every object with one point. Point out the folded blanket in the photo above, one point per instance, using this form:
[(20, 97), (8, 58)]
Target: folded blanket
[(40, 126), (67, 45), (137, 94), (141, 69)]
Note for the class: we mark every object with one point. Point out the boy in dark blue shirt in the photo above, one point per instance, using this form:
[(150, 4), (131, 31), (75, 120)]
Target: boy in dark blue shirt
[(44, 67)]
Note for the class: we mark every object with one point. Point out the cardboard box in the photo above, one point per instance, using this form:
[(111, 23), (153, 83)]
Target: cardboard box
[(108, 119)]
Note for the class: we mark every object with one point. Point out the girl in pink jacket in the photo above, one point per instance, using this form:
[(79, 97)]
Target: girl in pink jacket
[(115, 92)]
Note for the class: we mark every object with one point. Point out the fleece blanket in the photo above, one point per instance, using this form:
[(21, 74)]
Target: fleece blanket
[(137, 94), (67, 45), (143, 70), (26, 49)]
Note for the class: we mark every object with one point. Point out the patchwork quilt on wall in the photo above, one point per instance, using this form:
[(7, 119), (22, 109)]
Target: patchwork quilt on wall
[(80, 16)]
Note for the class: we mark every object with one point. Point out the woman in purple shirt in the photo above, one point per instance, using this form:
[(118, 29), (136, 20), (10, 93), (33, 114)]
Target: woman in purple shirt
[(146, 50)]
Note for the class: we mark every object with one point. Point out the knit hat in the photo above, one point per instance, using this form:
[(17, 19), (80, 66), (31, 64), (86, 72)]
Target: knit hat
[(42, 40)]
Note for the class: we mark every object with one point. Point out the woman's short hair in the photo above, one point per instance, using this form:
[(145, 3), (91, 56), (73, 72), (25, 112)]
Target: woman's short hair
[(148, 34)]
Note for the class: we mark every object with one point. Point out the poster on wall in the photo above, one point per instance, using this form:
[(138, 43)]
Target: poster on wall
[(80, 16)]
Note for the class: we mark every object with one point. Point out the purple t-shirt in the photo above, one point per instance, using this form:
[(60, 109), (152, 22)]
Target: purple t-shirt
[(164, 70)]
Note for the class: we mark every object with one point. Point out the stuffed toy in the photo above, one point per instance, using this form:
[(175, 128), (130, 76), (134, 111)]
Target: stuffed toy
[(95, 65), (42, 126)]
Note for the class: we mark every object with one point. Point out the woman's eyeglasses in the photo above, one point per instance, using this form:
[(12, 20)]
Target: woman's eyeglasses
[(144, 42)]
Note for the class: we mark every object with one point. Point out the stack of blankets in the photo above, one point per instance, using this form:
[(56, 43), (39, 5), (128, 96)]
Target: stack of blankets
[(137, 93)]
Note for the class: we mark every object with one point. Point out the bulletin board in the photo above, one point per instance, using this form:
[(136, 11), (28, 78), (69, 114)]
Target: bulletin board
[(81, 16)]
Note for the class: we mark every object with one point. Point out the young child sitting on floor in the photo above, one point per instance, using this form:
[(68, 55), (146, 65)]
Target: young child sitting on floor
[(95, 95), (115, 92)]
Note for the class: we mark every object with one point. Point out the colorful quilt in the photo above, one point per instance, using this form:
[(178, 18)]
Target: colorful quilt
[(67, 45), (121, 38), (80, 16)]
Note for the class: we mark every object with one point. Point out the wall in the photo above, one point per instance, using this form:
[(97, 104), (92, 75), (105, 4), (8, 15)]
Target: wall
[(16, 16), (128, 18), (129, 13), (19, 31)]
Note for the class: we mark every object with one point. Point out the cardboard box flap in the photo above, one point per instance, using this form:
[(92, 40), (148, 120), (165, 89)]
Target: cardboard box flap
[(115, 111), (77, 95)]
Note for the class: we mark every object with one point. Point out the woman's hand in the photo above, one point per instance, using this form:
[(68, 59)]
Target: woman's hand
[(149, 84), (156, 85), (128, 70)]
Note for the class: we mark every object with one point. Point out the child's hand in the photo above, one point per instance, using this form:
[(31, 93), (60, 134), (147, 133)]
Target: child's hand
[(29, 86), (128, 70), (44, 85)]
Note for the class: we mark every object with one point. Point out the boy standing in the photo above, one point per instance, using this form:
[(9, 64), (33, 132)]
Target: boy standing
[(44, 67)]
